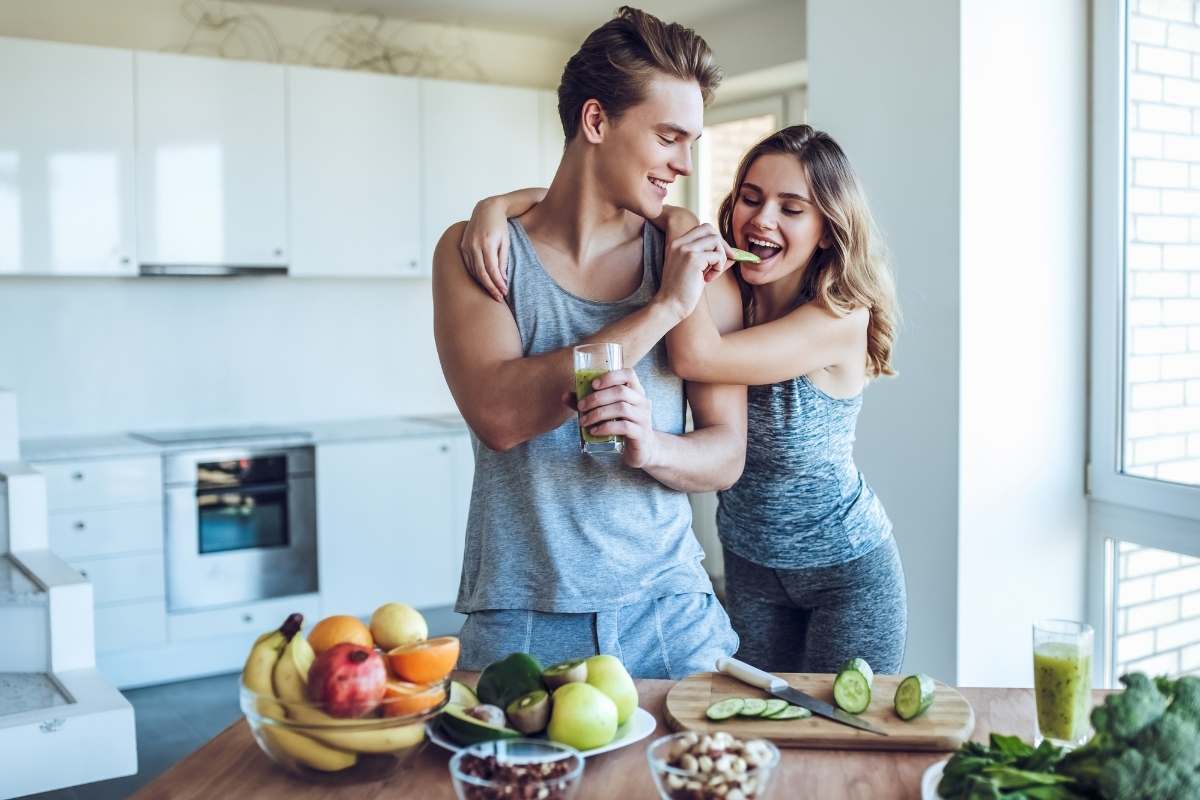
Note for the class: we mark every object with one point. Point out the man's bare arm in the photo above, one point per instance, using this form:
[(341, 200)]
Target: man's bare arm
[(505, 397), (713, 455)]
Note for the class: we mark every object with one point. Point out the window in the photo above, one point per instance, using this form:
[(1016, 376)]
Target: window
[(1144, 441), (729, 131)]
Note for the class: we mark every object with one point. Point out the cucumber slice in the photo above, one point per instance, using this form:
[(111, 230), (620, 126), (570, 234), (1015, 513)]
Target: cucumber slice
[(752, 707), (724, 709), (852, 686), (742, 255), (792, 712), (914, 696), (774, 706)]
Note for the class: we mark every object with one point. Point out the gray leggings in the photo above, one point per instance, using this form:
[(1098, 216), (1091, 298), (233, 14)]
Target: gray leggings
[(812, 620)]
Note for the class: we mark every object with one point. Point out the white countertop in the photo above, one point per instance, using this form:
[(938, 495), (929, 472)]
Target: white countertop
[(64, 448)]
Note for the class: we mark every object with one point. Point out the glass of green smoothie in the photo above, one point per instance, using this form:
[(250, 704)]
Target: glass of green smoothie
[(592, 361), (1062, 681)]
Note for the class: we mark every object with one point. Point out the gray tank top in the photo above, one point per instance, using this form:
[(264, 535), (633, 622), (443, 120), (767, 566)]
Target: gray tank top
[(551, 529), (801, 502)]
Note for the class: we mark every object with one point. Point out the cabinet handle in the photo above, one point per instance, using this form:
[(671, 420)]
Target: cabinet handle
[(124, 259), (76, 476), (83, 572), (278, 251), (444, 448), (247, 618), (80, 525), (413, 265)]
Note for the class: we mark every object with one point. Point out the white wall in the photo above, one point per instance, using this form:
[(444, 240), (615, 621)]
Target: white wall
[(966, 120), (95, 356), (883, 80), (1023, 316)]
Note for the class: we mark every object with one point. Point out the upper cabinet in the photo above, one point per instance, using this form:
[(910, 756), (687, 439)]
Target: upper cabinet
[(66, 160), (476, 140), (211, 162), (355, 174)]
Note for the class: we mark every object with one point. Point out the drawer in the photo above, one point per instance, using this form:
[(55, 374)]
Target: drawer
[(257, 617), (128, 625), (115, 580), (106, 531), (72, 485)]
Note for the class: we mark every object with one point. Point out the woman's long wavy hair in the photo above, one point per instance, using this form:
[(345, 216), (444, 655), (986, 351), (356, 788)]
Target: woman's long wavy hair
[(853, 271)]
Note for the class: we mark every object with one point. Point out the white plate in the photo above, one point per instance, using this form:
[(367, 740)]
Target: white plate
[(930, 779), (636, 728)]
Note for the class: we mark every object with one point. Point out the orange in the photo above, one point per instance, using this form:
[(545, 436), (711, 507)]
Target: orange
[(337, 629), (425, 662), (403, 699)]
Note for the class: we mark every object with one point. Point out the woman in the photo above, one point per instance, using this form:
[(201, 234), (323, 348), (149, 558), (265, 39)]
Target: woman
[(813, 575)]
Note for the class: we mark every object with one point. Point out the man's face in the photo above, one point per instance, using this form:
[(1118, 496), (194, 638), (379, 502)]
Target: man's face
[(651, 145)]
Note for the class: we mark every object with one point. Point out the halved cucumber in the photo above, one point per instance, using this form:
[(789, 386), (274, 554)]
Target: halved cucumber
[(914, 696), (724, 709), (774, 706), (752, 707), (792, 712), (852, 686)]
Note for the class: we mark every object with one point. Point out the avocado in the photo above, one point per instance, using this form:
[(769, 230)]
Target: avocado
[(465, 729), (509, 678)]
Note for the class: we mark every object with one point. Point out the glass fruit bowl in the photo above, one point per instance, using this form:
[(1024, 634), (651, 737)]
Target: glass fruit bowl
[(676, 762), (511, 768), (304, 739)]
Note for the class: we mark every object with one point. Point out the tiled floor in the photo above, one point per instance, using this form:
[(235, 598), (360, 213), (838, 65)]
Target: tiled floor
[(174, 719)]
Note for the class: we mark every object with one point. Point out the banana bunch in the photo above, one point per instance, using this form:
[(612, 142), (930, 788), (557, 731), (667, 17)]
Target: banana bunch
[(257, 677), (290, 679)]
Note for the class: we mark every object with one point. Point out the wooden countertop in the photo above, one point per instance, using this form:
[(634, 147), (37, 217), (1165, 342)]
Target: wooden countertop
[(231, 765)]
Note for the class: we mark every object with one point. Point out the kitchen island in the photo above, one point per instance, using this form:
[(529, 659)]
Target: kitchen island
[(231, 765)]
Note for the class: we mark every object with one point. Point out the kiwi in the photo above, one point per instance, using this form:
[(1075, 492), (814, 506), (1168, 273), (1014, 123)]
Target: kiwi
[(530, 713), (566, 672)]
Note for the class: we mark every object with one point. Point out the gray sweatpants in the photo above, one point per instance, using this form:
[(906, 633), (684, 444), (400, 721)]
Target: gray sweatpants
[(812, 620)]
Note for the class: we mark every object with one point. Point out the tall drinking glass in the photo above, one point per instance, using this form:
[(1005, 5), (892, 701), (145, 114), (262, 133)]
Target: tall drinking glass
[(1062, 681), (592, 361)]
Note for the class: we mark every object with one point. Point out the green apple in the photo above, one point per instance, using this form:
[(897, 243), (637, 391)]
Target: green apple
[(583, 717), (608, 674)]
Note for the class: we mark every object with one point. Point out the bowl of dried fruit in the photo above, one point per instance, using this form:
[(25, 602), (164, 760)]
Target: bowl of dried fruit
[(699, 766), (517, 768)]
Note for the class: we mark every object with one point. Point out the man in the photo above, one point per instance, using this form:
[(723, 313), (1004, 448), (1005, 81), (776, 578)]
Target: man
[(569, 554)]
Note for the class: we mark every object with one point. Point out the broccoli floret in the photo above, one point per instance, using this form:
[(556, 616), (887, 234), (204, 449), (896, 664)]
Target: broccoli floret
[(1124, 715)]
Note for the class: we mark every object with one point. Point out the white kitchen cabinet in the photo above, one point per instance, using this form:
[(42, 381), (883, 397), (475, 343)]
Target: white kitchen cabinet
[(550, 145), (476, 140), (386, 523), (66, 160), (211, 162), (354, 173)]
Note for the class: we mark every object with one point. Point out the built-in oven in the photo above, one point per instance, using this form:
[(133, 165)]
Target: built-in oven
[(240, 526)]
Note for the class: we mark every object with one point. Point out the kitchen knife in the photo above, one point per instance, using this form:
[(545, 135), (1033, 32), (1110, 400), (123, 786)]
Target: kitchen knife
[(779, 688)]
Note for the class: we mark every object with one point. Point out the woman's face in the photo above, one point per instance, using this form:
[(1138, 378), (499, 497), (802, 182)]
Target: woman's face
[(774, 218)]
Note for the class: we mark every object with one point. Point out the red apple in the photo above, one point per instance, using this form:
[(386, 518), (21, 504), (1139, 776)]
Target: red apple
[(348, 680)]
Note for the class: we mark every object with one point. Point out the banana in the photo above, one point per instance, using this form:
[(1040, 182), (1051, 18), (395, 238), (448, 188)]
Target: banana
[(289, 678), (306, 751), (264, 660)]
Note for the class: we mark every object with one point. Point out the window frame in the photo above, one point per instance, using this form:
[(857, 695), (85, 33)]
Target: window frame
[(1105, 479), (1121, 508)]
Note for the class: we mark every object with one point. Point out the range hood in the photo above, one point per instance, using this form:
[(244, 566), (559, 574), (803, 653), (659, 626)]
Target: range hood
[(208, 270)]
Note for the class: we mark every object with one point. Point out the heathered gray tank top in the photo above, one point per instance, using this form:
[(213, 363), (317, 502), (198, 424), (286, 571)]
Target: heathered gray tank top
[(552, 529), (801, 502)]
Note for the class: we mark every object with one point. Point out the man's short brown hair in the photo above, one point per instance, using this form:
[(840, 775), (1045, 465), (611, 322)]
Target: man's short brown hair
[(617, 60)]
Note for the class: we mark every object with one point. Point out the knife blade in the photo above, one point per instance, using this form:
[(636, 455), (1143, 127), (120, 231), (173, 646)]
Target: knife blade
[(779, 688)]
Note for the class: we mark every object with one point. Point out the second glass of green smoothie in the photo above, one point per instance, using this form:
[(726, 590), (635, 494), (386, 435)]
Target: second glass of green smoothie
[(1062, 681), (592, 361)]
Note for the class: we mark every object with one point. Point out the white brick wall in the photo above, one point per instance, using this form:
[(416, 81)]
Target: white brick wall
[(1157, 613), (1162, 370)]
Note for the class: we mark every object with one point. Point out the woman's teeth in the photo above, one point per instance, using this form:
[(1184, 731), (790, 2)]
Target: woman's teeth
[(762, 248), (659, 183)]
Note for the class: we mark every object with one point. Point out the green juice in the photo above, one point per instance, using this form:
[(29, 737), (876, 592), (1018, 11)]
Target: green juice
[(1062, 682), (583, 387)]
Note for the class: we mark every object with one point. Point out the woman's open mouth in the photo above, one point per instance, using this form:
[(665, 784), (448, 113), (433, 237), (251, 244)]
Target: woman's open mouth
[(763, 248), (659, 184)]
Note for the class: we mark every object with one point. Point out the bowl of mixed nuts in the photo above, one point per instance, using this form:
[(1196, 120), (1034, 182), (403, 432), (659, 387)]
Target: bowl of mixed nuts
[(716, 766), (517, 769)]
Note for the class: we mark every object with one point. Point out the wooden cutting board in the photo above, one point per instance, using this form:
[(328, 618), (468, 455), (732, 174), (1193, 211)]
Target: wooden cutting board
[(945, 726)]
